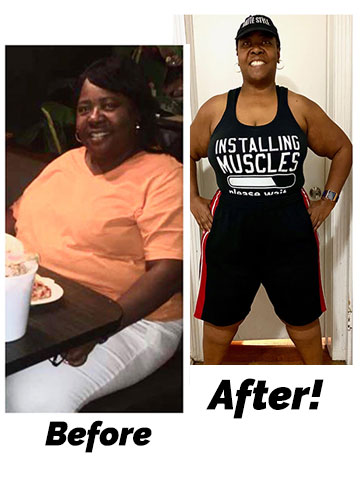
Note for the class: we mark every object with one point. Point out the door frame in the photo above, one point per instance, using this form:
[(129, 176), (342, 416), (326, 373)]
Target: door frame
[(338, 230), (337, 280)]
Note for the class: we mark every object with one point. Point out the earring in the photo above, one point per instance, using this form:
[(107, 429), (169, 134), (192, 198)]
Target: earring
[(280, 68), (137, 127), (77, 137)]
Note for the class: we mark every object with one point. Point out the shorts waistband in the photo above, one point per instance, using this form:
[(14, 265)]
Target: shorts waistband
[(241, 201)]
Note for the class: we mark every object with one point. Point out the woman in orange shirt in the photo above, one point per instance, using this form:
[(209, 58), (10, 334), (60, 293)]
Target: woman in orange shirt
[(108, 215)]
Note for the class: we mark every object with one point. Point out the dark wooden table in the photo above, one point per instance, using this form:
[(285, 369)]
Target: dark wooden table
[(80, 316)]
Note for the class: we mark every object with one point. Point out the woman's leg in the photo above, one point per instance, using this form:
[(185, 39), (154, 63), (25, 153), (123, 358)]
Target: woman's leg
[(307, 340), (125, 359), (216, 341)]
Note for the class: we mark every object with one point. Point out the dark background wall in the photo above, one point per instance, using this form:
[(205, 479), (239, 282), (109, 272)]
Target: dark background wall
[(38, 74), (31, 76)]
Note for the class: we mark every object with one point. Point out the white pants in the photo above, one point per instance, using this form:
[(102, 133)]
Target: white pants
[(123, 360)]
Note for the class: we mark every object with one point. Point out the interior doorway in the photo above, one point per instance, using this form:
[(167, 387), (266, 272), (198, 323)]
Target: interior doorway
[(214, 70)]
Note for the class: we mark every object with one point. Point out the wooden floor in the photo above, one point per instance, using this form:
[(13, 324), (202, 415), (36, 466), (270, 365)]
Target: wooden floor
[(243, 353)]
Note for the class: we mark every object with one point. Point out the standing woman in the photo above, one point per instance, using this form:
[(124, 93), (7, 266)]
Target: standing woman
[(260, 226)]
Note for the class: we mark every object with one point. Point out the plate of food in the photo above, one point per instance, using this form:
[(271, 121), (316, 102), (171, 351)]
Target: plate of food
[(45, 290)]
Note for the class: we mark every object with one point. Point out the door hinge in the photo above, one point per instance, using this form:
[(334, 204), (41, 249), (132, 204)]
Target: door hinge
[(349, 317)]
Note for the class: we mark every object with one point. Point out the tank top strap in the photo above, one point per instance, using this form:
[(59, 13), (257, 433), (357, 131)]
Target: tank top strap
[(230, 110), (284, 111)]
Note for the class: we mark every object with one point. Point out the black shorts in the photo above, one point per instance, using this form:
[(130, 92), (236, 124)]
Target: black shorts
[(253, 242)]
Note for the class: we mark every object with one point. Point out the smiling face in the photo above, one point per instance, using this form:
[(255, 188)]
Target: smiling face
[(105, 123), (258, 55)]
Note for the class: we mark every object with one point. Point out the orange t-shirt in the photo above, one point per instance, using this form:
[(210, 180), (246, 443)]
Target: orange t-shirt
[(100, 230)]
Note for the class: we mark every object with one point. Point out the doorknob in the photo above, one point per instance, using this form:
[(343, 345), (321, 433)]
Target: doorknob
[(315, 193)]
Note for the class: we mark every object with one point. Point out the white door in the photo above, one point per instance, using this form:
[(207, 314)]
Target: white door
[(216, 71)]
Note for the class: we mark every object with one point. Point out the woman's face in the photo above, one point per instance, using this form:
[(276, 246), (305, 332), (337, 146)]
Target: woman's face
[(258, 55), (105, 122)]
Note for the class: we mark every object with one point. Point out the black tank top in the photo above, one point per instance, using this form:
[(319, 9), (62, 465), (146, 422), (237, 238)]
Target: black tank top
[(259, 162)]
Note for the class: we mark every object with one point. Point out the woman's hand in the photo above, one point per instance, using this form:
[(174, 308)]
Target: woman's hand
[(162, 279), (77, 356), (319, 211), (200, 208)]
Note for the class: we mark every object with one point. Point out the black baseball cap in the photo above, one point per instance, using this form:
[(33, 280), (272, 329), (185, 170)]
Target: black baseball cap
[(255, 23)]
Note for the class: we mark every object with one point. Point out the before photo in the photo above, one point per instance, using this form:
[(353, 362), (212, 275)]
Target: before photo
[(94, 234)]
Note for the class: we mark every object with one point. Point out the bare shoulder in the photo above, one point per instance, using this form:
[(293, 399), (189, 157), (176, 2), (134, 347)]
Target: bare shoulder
[(303, 109), (324, 136), (296, 98), (303, 104), (310, 110), (213, 109), (216, 102), (208, 116)]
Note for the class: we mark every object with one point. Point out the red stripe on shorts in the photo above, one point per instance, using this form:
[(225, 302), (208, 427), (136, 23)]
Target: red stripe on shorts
[(322, 299), (203, 267)]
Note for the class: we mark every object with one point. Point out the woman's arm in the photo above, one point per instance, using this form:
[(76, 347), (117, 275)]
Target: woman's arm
[(161, 280), (326, 139), (199, 206), (200, 132)]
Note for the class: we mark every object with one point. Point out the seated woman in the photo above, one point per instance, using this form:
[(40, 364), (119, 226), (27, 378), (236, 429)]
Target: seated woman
[(107, 215)]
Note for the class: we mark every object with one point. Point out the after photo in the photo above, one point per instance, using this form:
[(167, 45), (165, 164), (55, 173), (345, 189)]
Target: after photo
[(270, 191)]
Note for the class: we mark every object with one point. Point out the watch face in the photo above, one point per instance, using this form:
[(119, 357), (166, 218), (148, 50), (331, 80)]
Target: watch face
[(329, 195)]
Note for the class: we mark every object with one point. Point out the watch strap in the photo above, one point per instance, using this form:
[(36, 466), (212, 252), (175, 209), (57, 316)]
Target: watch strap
[(330, 195)]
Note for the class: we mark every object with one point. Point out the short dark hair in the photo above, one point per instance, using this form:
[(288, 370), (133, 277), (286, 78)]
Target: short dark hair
[(120, 74)]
